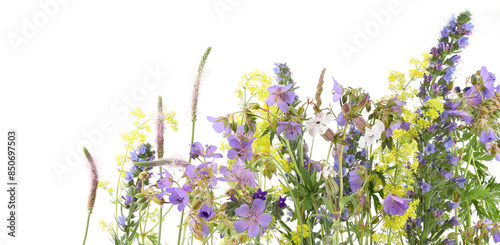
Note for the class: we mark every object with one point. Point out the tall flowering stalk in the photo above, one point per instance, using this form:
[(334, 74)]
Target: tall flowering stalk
[(94, 181)]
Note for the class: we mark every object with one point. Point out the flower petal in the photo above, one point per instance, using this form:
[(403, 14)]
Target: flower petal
[(258, 206), (241, 225), (243, 211), (264, 219), (253, 230)]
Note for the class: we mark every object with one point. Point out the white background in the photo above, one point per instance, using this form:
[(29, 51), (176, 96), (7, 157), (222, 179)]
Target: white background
[(85, 57)]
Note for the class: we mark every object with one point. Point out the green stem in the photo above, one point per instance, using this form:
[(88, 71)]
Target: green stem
[(87, 228)]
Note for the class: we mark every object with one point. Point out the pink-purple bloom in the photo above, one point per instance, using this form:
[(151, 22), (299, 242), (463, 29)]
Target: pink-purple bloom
[(253, 220), (121, 221), (239, 173), (292, 129), (281, 96), (395, 205)]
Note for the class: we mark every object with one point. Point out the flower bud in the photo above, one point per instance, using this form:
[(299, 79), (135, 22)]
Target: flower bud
[(346, 109), (329, 135), (360, 123), (143, 207), (143, 175), (331, 187), (254, 106), (140, 195)]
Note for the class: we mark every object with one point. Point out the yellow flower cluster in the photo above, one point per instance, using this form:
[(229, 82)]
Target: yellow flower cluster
[(258, 89), (295, 235), (108, 227), (139, 134), (398, 84), (104, 185), (170, 119), (434, 107)]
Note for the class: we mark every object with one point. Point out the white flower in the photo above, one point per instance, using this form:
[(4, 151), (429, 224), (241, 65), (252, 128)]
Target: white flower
[(325, 173), (318, 124), (372, 134)]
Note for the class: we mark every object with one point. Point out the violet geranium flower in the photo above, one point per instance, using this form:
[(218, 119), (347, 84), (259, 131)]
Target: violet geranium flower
[(198, 150), (292, 129), (396, 205), (242, 149), (488, 136), (252, 220), (219, 125), (206, 212), (281, 96), (179, 197)]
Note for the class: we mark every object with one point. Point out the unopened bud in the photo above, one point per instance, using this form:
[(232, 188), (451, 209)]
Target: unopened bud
[(329, 135), (346, 109), (254, 106), (360, 123), (331, 187), (143, 175)]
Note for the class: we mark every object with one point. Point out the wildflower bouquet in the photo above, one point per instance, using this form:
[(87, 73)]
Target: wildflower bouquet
[(408, 168)]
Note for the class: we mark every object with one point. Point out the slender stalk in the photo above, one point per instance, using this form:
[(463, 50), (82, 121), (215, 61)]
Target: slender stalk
[(87, 228)]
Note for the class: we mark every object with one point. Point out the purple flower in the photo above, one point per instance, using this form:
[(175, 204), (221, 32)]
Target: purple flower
[(350, 159), (129, 175), (449, 73), (448, 144), (425, 187), (463, 42), (206, 212), (164, 182), (292, 129), (449, 242), (128, 200), (454, 221), (355, 179), (447, 175), (341, 121), (489, 136), (403, 125), (239, 173), (430, 148), (496, 236), (453, 205), (241, 149), (133, 156), (396, 205), (452, 159), (179, 197), (260, 194), (281, 96), (254, 219), (466, 117), (488, 77), (455, 58), (444, 32), (282, 202), (121, 221), (219, 125), (198, 150), (460, 181), (192, 174), (337, 91)]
